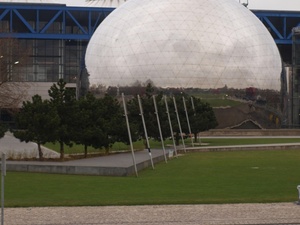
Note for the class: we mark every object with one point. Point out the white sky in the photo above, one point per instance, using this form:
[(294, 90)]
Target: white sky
[(293, 5)]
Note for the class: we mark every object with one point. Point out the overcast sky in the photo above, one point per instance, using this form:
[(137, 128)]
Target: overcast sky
[(253, 4), (274, 4)]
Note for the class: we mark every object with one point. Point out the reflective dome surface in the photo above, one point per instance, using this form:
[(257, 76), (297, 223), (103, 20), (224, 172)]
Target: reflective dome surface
[(183, 44)]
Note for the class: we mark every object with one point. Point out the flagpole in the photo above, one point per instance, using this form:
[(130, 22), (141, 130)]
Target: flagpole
[(159, 128), (145, 130), (179, 125), (170, 123), (188, 120), (129, 134)]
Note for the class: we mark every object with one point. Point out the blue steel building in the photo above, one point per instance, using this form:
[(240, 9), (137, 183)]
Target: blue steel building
[(56, 37)]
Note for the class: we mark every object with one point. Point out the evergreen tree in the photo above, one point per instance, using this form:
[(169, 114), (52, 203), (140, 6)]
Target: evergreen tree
[(89, 125), (37, 121), (3, 129), (99, 122), (114, 122), (203, 118), (63, 99), (149, 114)]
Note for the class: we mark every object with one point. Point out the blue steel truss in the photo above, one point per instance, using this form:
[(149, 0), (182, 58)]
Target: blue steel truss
[(50, 21), (279, 24), (40, 21)]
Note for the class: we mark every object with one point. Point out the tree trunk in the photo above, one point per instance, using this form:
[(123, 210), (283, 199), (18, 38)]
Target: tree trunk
[(106, 150), (41, 158), (177, 138), (62, 150), (196, 137), (145, 143), (197, 140), (85, 151)]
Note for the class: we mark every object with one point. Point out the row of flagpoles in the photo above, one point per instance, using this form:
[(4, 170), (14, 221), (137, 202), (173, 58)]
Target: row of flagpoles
[(159, 127)]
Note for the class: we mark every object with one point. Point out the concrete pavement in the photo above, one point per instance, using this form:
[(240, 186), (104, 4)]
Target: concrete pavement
[(14, 148), (227, 214), (119, 164)]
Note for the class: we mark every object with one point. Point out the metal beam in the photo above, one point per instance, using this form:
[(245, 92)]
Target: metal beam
[(59, 13), (76, 22), (280, 24), (51, 21), (23, 20), (272, 26), (46, 36)]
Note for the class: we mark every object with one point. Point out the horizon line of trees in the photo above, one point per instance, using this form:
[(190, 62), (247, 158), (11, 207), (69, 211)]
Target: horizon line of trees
[(100, 122)]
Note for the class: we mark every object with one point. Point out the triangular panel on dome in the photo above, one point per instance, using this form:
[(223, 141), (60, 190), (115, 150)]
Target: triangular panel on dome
[(194, 58), (208, 59), (214, 83), (240, 83)]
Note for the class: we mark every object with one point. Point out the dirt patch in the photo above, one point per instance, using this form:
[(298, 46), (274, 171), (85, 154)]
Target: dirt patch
[(234, 116)]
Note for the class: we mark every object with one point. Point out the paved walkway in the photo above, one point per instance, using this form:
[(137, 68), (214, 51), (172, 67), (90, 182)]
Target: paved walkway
[(114, 160), (14, 148), (231, 214)]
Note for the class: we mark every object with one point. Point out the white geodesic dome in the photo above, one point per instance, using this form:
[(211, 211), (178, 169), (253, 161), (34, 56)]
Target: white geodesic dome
[(104, 3), (185, 44)]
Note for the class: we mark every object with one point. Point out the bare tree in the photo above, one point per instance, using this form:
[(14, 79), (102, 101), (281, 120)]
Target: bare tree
[(13, 59)]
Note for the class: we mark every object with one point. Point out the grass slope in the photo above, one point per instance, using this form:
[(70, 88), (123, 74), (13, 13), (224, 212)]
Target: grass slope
[(118, 146), (210, 177)]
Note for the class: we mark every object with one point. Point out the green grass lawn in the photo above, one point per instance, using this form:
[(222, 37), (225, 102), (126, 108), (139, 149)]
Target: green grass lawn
[(75, 149), (217, 100), (247, 141), (196, 178), (118, 146)]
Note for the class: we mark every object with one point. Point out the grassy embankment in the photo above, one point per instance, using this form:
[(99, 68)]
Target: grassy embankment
[(77, 149), (210, 177)]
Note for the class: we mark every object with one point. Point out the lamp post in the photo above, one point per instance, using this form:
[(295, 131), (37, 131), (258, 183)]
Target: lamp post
[(3, 174), (298, 188)]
